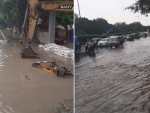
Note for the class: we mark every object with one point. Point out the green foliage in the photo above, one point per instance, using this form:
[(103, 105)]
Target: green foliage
[(100, 26), (64, 18), (142, 6), (11, 10)]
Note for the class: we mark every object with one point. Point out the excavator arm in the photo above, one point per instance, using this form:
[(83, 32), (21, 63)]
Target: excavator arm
[(31, 17)]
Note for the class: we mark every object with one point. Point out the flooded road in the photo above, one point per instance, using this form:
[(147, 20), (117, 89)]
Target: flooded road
[(118, 82), (25, 89), (82, 58)]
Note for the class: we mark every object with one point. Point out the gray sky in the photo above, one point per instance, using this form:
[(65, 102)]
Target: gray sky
[(111, 10)]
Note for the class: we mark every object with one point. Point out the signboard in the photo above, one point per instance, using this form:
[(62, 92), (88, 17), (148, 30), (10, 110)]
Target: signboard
[(109, 30), (66, 7)]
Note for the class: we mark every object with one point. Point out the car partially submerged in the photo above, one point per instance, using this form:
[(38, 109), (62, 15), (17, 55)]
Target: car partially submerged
[(116, 41), (145, 34), (130, 37), (136, 36)]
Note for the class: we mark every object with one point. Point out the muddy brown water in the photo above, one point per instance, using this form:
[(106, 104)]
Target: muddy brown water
[(116, 83), (25, 89)]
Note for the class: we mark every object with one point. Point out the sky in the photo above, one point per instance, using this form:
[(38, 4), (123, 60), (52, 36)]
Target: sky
[(110, 10)]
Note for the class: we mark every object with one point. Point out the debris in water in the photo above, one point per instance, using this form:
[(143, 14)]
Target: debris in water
[(27, 77)]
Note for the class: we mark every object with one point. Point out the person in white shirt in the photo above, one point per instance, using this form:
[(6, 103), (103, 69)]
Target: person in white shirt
[(39, 23), (92, 46), (86, 45)]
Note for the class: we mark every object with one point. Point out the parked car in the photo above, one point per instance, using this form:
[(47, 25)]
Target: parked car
[(103, 42), (130, 37), (141, 34), (116, 41), (77, 44), (126, 36), (145, 34), (135, 36)]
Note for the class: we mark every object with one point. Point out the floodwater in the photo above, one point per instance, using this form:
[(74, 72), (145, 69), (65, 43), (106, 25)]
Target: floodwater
[(118, 82), (25, 89)]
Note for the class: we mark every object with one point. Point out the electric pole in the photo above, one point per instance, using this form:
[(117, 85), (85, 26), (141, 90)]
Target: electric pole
[(138, 18), (79, 8)]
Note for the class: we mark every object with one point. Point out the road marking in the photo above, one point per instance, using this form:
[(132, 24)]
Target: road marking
[(3, 35), (90, 61)]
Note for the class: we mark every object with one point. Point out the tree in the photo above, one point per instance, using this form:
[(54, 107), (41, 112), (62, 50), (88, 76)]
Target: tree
[(11, 10), (65, 19), (99, 26), (142, 6)]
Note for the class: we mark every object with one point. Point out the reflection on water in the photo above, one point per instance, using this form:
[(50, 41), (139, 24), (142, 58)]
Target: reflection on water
[(3, 108), (2, 55)]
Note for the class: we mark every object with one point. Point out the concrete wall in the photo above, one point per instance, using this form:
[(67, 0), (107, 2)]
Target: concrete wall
[(48, 37), (44, 37)]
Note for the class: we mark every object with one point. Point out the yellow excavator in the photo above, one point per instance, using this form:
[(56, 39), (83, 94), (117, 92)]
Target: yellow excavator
[(30, 20)]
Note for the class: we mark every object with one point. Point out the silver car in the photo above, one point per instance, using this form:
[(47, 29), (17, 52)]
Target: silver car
[(103, 42)]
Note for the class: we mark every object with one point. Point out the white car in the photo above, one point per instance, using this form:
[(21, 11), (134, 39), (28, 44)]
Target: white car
[(104, 42)]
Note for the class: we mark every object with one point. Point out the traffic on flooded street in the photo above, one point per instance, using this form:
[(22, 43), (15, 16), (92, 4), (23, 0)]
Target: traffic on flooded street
[(115, 81)]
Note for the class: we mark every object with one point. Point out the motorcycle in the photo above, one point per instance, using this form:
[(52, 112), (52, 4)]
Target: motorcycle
[(90, 49)]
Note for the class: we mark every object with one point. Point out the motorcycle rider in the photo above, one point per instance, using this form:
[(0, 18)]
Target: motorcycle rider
[(92, 46)]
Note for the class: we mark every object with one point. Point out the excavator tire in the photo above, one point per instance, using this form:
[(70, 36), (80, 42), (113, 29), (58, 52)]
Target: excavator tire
[(27, 52)]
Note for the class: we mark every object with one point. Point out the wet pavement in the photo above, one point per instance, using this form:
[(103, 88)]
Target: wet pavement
[(25, 89), (117, 82)]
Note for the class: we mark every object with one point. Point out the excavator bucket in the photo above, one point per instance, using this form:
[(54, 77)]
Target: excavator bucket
[(27, 52), (30, 20)]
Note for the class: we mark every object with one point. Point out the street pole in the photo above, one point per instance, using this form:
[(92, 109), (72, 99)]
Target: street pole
[(138, 18), (146, 22), (79, 8)]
